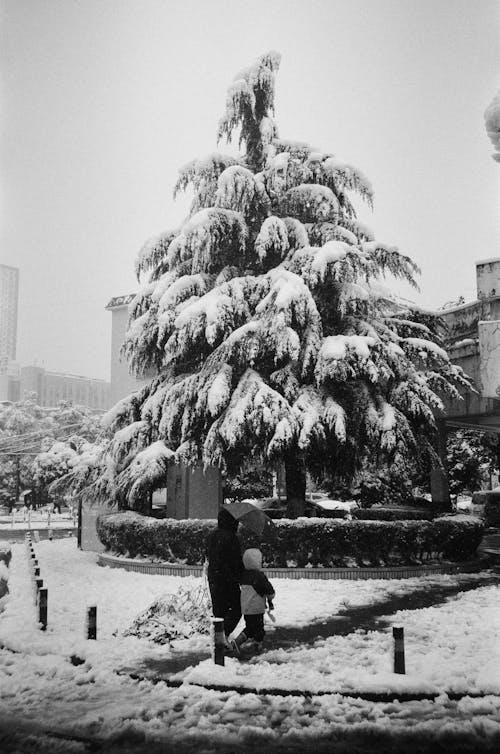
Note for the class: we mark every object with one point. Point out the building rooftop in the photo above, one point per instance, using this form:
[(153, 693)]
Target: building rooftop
[(117, 301)]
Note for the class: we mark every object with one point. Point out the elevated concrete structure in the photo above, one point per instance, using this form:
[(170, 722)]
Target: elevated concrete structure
[(473, 343)]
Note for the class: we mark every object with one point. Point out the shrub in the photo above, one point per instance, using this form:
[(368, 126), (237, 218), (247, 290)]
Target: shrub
[(301, 542), (393, 514)]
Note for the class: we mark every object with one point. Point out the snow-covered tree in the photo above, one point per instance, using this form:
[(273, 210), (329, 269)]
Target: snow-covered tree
[(266, 323), (473, 457), (492, 123), (27, 429)]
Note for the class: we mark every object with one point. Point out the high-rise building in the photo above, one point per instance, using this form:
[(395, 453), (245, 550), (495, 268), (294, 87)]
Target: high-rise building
[(9, 291)]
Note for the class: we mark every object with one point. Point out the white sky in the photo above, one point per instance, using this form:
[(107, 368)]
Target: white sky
[(103, 101)]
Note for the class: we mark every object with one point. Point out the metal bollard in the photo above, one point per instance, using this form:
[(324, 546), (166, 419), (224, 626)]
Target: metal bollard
[(42, 608), (91, 623), (39, 584), (218, 638), (399, 649)]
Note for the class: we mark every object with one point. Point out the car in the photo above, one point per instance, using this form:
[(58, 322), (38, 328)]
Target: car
[(325, 507)]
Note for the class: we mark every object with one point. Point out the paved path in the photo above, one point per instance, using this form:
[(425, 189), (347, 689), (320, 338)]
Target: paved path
[(368, 618)]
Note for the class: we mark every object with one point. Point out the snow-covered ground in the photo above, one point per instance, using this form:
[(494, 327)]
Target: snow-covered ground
[(453, 647)]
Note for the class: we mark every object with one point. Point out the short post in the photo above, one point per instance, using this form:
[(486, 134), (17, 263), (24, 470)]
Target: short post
[(29, 519), (42, 607), (399, 649), (36, 572), (13, 517), (39, 584), (50, 534), (218, 647), (91, 623)]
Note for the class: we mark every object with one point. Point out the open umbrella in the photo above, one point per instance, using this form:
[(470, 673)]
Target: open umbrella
[(250, 516)]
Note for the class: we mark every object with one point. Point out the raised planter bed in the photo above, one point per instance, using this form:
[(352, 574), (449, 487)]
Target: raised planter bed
[(391, 572)]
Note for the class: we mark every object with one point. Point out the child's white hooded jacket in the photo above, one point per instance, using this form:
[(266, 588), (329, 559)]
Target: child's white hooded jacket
[(255, 586)]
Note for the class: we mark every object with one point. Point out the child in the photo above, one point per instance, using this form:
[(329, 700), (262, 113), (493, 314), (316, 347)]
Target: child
[(256, 589)]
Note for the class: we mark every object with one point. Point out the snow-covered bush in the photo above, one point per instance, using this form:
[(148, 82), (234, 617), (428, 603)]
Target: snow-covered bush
[(298, 543), (264, 318), (174, 616)]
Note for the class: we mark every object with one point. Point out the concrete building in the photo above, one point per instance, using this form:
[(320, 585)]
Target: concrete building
[(53, 387), (122, 382), (9, 293), (473, 342)]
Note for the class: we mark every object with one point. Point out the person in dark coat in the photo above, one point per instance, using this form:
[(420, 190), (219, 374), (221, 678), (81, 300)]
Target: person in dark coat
[(225, 568)]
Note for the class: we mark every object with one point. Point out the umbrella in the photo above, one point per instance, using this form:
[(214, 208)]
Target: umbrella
[(250, 516)]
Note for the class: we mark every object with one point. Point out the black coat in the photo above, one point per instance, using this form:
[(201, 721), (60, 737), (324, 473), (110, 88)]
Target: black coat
[(224, 551)]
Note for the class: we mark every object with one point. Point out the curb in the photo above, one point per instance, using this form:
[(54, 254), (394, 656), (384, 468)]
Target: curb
[(354, 574), (369, 696)]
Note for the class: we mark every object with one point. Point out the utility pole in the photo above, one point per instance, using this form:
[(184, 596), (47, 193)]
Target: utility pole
[(18, 479)]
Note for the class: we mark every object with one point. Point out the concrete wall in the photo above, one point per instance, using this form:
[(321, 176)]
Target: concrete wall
[(489, 361), (488, 278), (88, 539), (193, 493)]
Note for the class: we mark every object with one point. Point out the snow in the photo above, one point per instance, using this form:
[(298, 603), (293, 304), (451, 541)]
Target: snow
[(335, 346), (426, 346), (492, 122), (336, 505), (450, 647), (329, 253)]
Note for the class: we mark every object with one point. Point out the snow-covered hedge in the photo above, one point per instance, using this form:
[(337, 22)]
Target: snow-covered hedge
[(393, 514), (302, 542)]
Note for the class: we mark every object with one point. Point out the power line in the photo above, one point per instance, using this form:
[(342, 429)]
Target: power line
[(39, 432)]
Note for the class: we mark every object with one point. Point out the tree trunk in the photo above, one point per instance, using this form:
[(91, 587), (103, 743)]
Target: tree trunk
[(295, 473), (439, 475)]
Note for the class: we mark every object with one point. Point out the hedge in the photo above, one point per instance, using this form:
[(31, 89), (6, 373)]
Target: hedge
[(303, 542), (393, 514)]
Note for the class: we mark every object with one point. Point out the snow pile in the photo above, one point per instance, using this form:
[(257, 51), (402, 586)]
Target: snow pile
[(174, 616)]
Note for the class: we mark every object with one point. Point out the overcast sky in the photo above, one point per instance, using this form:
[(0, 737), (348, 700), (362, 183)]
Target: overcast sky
[(103, 101)]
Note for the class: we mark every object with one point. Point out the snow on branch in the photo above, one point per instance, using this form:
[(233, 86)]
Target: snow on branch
[(250, 100), (272, 239), (209, 240), (152, 256), (203, 175), (236, 190), (130, 439), (310, 202), (343, 177), (389, 259), (492, 122), (147, 472), (253, 413)]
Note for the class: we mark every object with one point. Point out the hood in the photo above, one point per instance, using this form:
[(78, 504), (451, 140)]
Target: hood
[(252, 560), (226, 521)]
